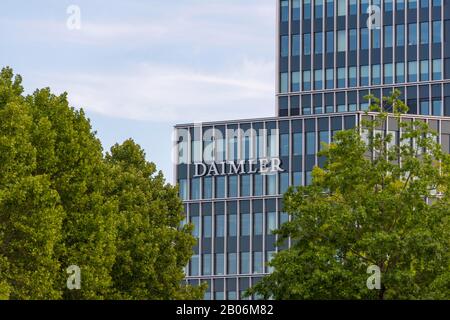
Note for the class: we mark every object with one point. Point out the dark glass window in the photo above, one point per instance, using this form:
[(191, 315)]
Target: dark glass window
[(220, 225), (195, 188), (194, 266), (330, 8), (232, 263), (353, 7), (412, 71), (376, 74), (341, 77), (388, 5), (271, 222), (318, 81), (400, 5), (424, 73), (258, 224), (207, 264), (437, 32), (232, 186), (296, 10), (437, 3), (318, 8), (245, 185), (352, 79), (306, 9), (424, 108), (245, 262), (258, 185), (400, 72), (330, 41), (412, 4), (388, 73), (220, 187), (388, 36), (207, 226), (220, 263), (330, 78), (364, 78), (424, 33), (318, 38), (284, 11), (324, 137), (412, 34), (207, 188), (245, 224), (296, 45), (298, 144), (284, 145), (400, 35), (195, 220), (364, 38), (284, 182), (232, 225), (310, 143), (437, 69), (376, 39), (353, 39), (437, 108), (307, 44), (258, 262), (284, 46)]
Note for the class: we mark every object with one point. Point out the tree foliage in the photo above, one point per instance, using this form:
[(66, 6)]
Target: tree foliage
[(381, 200), (63, 202)]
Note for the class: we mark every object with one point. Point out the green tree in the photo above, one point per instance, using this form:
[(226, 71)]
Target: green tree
[(376, 202), (152, 248), (63, 203)]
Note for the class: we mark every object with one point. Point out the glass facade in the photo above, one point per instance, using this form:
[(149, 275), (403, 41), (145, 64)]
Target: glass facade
[(328, 60), (341, 53)]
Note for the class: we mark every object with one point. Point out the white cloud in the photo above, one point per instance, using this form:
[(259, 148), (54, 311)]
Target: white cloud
[(172, 94)]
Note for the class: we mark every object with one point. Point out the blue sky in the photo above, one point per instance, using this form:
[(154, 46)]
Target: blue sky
[(139, 67)]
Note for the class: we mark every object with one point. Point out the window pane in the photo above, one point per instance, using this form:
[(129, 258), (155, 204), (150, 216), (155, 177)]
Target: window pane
[(400, 72), (412, 34), (412, 71), (318, 38), (232, 225), (388, 36), (220, 261), (284, 46), (232, 263), (258, 262), (271, 223), (310, 143), (284, 82), (220, 187), (330, 41), (298, 144), (424, 74), (296, 45), (342, 9), (207, 264), (388, 73), (424, 33), (353, 40), (220, 225), (437, 32), (342, 43), (258, 224), (245, 262), (400, 35), (284, 11), (245, 224), (307, 44), (296, 10), (207, 226), (437, 69), (364, 38)]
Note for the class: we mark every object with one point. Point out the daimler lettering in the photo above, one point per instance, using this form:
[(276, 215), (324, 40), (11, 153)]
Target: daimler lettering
[(263, 166)]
